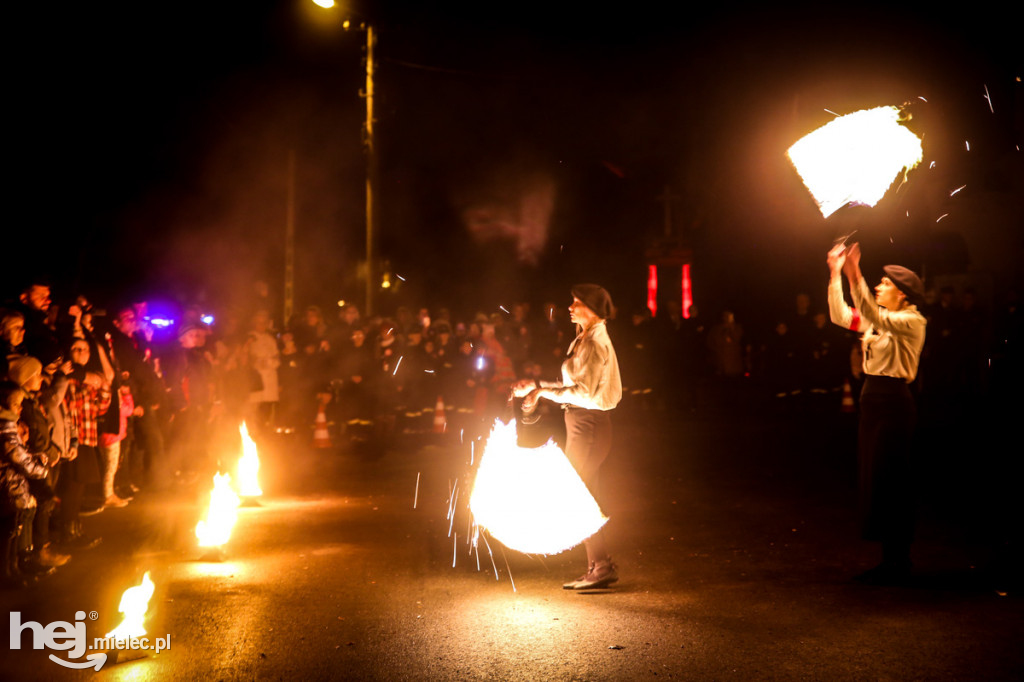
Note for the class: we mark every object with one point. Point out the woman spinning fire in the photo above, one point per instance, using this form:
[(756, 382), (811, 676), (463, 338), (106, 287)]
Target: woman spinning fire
[(892, 338), (590, 388)]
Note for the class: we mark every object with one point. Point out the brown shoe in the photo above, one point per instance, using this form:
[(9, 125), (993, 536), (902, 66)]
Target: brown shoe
[(47, 556), (600, 576), (571, 585)]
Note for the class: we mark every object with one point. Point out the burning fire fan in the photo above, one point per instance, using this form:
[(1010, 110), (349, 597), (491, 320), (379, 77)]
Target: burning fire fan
[(532, 500), (855, 158)]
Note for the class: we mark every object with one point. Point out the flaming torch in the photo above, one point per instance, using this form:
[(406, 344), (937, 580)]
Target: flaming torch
[(855, 158), (531, 499), (248, 468), (134, 603), (215, 530)]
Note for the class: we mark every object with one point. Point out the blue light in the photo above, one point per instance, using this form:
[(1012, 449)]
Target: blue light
[(160, 322)]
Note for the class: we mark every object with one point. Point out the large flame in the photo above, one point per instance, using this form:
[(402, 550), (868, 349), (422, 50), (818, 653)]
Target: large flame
[(532, 500), (855, 158), (215, 529), (134, 603), (248, 466)]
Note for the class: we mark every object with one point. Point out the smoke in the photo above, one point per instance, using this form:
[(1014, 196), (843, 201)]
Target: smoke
[(223, 224), (511, 207)]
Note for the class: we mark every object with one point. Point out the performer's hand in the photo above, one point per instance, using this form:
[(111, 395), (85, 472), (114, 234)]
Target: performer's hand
[(852, 265), (523, 387), (530, 400), (836, 259)]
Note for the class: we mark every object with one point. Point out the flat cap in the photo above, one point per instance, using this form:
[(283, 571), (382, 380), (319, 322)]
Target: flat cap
[(907, 282)]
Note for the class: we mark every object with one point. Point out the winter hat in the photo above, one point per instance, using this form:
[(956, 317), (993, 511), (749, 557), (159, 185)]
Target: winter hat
[(22, 368), (907, 282), (596, 298)]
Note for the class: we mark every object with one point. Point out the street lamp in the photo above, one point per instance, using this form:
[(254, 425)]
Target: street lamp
[(371, 153)]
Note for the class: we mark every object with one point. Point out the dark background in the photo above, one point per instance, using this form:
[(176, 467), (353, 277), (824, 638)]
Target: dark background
[(149, 146)]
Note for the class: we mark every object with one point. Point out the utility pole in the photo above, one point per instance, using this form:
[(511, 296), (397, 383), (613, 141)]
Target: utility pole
[(289, 244), (371, 170)]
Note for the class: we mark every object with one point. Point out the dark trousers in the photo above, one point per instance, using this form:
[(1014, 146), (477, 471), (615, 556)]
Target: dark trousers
[(887, 419), (588, 440), (147, 446)]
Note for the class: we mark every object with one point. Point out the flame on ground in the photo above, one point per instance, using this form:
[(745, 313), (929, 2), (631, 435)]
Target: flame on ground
[(215, 529), (532, 500), (248, 466), (855, 158), (134, 603)]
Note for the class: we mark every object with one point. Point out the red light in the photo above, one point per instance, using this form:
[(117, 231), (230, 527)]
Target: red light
[(687, 292), (652, 289)]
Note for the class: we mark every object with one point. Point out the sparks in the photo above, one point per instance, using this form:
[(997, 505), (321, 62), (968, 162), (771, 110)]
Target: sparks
[(455, 547), (967, 145), (490, 554), (931, 165), (397, 365), (988, 99), (452, 522), (831, 112), (855, 158), (504, 309), (954, 192), (509, 569), (941, 217), (921, 98), (416, 495), (399, 277)]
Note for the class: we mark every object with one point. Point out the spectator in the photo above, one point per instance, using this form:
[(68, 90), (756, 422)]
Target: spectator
[(264, 359)]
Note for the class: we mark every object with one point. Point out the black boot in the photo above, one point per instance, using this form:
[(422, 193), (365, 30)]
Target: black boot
[(30, 568), (12, 578), (80, 540)]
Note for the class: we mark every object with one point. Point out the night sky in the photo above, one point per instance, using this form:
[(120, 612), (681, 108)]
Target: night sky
[(522, 146)]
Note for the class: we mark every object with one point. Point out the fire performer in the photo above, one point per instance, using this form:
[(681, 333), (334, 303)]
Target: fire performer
[(892, 337), (589, 390)]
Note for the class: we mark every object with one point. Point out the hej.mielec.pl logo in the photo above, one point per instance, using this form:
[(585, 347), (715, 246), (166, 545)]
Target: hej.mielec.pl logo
[(71, 637)]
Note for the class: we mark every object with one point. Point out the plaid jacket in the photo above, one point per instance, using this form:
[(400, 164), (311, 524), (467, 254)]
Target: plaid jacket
[(86, 405)]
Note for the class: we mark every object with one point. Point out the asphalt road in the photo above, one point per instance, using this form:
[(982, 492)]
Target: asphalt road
[(734, 535)]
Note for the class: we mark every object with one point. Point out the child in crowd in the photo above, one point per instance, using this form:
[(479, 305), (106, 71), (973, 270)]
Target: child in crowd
[(17, 466)]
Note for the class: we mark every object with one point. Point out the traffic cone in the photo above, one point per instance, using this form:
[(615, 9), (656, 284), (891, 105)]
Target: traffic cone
[(440, 424), (847, 405), (321, 436)]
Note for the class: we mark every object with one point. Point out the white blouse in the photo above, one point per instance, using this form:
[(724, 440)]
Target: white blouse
[(590, 375), (891, 339)]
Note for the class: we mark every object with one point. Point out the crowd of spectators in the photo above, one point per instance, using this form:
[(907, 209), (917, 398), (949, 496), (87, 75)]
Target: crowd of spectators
[(98, 404)]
